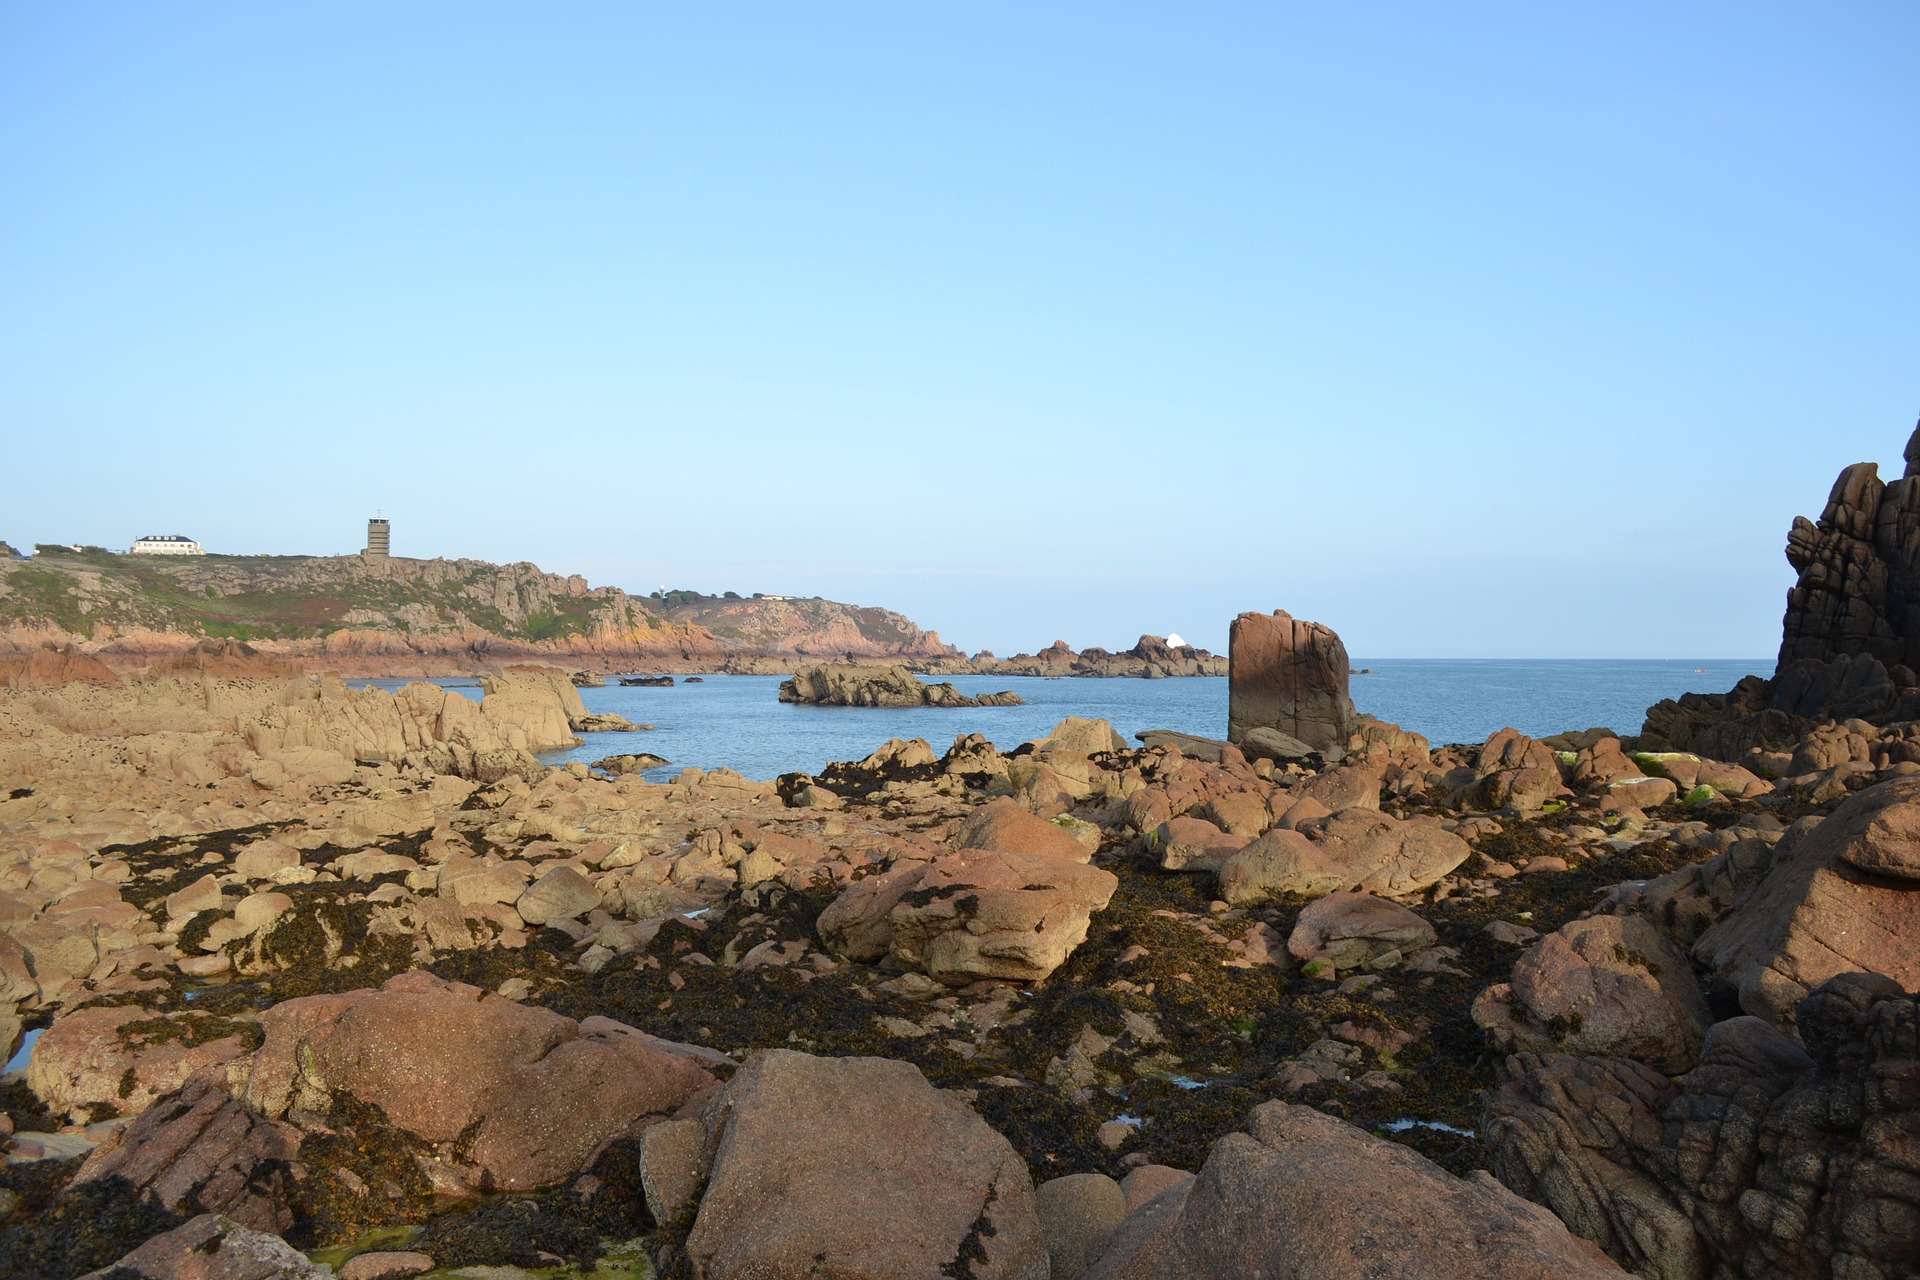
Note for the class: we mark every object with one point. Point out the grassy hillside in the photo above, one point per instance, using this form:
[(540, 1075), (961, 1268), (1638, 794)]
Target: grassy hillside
[(89, 591)]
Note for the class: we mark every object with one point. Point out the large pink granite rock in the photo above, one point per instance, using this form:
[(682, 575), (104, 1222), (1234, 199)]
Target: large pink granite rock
[(1291, 676)]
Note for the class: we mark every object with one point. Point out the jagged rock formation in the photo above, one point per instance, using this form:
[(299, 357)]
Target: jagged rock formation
[(1288, 676), (1850, 641), (1769, 1159), (891, 686), (1152, 658)]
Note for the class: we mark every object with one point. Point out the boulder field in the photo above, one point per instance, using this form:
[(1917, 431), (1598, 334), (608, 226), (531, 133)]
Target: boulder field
[(319, 986)]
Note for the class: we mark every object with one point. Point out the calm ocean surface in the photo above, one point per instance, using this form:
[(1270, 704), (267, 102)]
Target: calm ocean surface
[(737, 722)]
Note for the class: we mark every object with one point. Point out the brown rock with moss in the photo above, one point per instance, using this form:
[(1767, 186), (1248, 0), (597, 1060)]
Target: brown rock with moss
[(1003, 824), (117, 1060), (509, 1096)]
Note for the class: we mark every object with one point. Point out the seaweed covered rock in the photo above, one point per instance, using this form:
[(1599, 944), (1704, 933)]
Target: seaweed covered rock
[(1838, 898), (1302, 1194), (976, 913), (508, 1096), (118, 1059), (1769, 1159), (212, 1247), (857, 1168), (1613, 986), (1349, 930)]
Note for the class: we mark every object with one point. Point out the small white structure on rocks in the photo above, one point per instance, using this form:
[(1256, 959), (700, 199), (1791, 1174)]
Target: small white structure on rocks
[(165, 544)]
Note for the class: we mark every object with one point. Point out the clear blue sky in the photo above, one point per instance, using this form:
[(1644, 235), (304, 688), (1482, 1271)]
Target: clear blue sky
[(1468, 329)]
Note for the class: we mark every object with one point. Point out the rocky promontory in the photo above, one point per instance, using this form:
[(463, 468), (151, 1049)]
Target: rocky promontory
[(391, 616), (373, 616)]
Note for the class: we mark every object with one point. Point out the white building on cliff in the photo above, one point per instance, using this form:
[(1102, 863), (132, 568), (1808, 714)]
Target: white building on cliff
[(165, 544)]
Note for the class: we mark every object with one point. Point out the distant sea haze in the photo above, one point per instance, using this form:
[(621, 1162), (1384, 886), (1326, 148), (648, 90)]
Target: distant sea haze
[(737, 722)]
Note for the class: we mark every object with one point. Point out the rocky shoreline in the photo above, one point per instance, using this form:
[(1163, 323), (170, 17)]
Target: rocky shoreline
[(335, 982), (1145, 965)]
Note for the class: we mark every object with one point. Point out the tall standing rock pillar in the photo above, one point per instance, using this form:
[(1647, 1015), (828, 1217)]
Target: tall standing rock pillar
[(1291, 676)]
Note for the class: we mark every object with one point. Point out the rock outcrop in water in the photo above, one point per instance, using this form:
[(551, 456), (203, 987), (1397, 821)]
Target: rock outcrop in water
[(1288, 677), (856, 686), (1151, 659)]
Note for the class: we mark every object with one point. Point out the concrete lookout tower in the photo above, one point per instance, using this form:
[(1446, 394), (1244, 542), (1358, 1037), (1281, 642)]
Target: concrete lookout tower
[(379, 538)]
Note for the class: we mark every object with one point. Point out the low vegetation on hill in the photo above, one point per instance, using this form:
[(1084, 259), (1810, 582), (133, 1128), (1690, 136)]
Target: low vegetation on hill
[(91, 590)]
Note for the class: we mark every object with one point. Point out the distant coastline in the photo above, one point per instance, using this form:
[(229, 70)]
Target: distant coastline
[(376, 616)]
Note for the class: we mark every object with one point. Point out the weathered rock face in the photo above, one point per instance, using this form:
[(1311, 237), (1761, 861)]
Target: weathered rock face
[(1840, 897), (1608, 985), (976, 913), (200, 1149), (510, 1096), (880, 686), (1859, 567), (857, 1168), (1359, 849), (1349, 930), (1301, 1194), (1515, 772), (1767, 1160), (1850, 640), (212, 1247), (52, 666), (1290, 676)]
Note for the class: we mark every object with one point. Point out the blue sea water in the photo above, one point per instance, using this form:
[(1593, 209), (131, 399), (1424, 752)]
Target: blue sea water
[(737, 722)]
